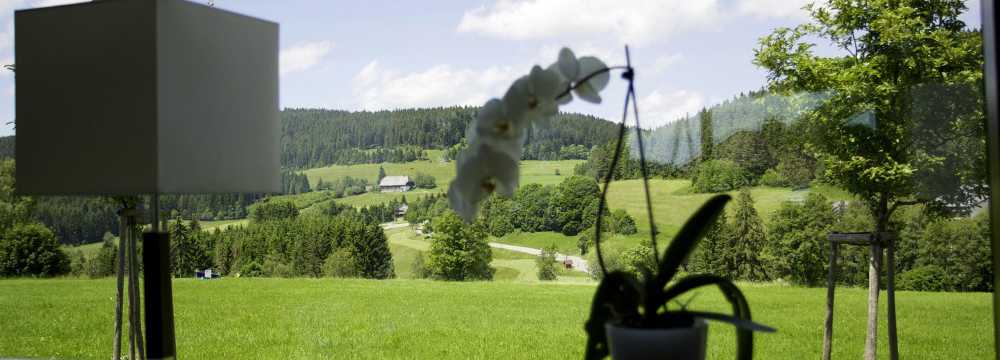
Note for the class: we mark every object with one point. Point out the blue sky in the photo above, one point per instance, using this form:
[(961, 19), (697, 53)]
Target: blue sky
[(379, 54)]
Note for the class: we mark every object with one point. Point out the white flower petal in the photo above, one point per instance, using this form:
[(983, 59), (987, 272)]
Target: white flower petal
[(589, 65), (568, 65), (587, 93), (494, 122), (479, 173), (544, 83)]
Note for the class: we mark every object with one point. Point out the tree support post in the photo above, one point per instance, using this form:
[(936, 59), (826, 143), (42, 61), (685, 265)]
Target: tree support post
[(874, 271), (831, 282), (890, 297)]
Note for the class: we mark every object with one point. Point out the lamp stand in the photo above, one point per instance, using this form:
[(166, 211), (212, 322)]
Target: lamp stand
[(128, 218), (160, 343)]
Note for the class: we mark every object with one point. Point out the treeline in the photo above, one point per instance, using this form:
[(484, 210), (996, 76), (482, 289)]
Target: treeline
[(315, 138), (774, 155), (933, 253), (680, 141), (569, 208), (281, 243)]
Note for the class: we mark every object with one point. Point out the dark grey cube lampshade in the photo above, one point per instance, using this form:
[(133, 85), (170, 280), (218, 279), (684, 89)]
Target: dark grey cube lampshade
[(145, 96)]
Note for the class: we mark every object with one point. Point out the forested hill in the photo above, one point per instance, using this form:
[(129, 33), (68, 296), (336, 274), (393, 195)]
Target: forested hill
[(679, 141), (315, 137)]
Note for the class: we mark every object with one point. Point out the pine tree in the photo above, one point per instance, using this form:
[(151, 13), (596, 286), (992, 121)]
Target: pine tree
[(747, 240), (381, 173), (714, 254), (707, 140)]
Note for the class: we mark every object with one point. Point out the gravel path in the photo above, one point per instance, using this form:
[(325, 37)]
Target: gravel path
[(579, 264)]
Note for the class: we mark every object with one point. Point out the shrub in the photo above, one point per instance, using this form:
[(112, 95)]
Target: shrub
[(638, 260), (571, 228), (925, 278), (612, 260), (547, 263), (273, 210), (961, 248), (31, 250), (715, 176), (798, 244), (622, 223), (774, 178), (585, 240), (103, 264), (274, 267), (632, 259), (340, 264), (251, 269), (424, 181)]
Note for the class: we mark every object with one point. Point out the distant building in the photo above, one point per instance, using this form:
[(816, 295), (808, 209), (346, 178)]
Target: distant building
[(395, 184)]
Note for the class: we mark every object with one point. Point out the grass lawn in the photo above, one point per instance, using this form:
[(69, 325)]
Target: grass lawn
[(340, 318)]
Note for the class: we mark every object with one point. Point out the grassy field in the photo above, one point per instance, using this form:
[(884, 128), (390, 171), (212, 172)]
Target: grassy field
[(406, 246), (408, 319), (542, 172), (673, 203)]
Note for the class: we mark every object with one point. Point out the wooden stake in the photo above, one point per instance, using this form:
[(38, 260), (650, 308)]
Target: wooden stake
[(117, 352), (874, 270), (831, 283), (891, 298)]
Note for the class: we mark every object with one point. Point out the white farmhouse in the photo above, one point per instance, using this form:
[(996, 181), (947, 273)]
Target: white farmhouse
[(395, 184)]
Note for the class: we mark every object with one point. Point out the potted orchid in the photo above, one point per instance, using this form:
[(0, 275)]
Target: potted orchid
[(629, 318)]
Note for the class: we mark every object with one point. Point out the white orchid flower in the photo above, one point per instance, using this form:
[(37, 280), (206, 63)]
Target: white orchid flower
[(564, 84), (568, 65), (533, 97), (588, 90), (499, 128), (496, 137), (481, 173)]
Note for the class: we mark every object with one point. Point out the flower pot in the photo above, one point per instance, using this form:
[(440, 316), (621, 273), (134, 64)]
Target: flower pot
[(628, 343)]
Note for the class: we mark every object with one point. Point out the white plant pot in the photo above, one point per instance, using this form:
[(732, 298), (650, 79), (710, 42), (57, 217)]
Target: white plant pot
[(669, 344)]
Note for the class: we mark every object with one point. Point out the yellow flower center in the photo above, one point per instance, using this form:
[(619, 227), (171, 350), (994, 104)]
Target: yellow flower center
[(532, 103), (503, 126), (488, 185)]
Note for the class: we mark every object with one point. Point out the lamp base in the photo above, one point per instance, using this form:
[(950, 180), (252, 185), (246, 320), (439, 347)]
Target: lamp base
[(158, 297)]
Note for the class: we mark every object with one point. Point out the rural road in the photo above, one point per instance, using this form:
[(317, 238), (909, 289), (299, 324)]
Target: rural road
[(579, 264)]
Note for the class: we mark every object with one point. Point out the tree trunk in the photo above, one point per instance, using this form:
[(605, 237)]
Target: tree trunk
[(874, 268)]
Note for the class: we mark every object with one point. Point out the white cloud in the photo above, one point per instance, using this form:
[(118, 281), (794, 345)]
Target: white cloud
[(766, 9), (303, 56), (629, 21), (659, 108), (441, 85), (662, 63)]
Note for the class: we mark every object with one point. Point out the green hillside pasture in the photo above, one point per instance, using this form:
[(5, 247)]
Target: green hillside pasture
[(674, 203), (420, 319), (532, 171)]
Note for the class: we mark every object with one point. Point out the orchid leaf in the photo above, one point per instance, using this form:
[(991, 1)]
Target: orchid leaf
[(617, 297)]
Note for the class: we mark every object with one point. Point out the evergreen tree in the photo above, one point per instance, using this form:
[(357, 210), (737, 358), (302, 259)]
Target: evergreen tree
[(747, 240), (707, 140), (381, 174), (714, 255)]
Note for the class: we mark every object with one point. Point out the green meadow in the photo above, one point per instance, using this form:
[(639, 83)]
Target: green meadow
[(419, 319)]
